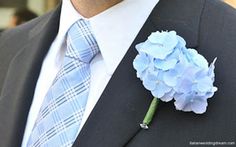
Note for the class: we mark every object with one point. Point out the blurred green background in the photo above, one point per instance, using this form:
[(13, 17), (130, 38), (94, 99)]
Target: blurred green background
[(8, 8)]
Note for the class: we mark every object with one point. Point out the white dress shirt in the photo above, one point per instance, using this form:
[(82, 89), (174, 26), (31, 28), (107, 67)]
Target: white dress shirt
[(114, 29)]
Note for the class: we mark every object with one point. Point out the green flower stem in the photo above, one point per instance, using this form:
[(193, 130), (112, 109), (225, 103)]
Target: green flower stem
[(150, 113)]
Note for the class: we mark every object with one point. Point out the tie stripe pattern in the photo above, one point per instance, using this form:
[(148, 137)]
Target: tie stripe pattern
[(63, 107)]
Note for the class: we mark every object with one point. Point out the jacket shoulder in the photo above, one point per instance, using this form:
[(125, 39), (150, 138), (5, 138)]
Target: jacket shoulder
[(183, 16), (14, 40)]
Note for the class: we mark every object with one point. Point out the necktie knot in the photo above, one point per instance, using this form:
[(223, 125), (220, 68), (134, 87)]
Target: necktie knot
[(81, 43)]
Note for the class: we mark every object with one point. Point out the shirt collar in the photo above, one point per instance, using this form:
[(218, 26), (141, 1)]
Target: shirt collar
[(114, 29), (68, 17)]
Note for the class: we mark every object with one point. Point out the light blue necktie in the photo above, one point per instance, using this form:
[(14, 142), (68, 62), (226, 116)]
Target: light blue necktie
[(63, 107)]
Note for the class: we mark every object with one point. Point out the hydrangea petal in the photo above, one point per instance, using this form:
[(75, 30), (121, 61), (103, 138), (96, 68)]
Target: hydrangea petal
[(198, 59), (141, 62), (166, 39), (153, 75), (205, 84), (182, 42), (170, 78), (165, 64), (182, 102), (191, 102), (157, 51), (159, 45), (168, 96), (199, 106), (187, 80), (148, 84), (211, 93), (139, 47), (174, 55), (161, 90), (184, 86)]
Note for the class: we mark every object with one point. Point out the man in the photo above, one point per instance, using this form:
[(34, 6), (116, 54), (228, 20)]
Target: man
[(31, 56), (21, 16)]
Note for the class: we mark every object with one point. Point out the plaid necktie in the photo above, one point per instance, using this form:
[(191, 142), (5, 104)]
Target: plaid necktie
[(63, 107)]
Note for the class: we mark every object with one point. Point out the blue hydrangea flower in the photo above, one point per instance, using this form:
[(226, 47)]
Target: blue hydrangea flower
[(172, 72)]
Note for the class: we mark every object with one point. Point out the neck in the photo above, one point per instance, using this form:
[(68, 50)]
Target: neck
[(90, 8)]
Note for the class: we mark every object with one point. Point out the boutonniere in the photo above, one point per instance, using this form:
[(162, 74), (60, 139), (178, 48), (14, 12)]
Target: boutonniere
[(171, 71)]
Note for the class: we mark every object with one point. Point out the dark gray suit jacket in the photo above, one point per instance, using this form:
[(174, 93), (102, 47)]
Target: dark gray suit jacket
[(207, 25)]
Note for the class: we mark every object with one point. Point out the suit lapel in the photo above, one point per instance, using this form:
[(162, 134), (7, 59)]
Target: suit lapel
[(122, 106), (22, 75), (115, 119)]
